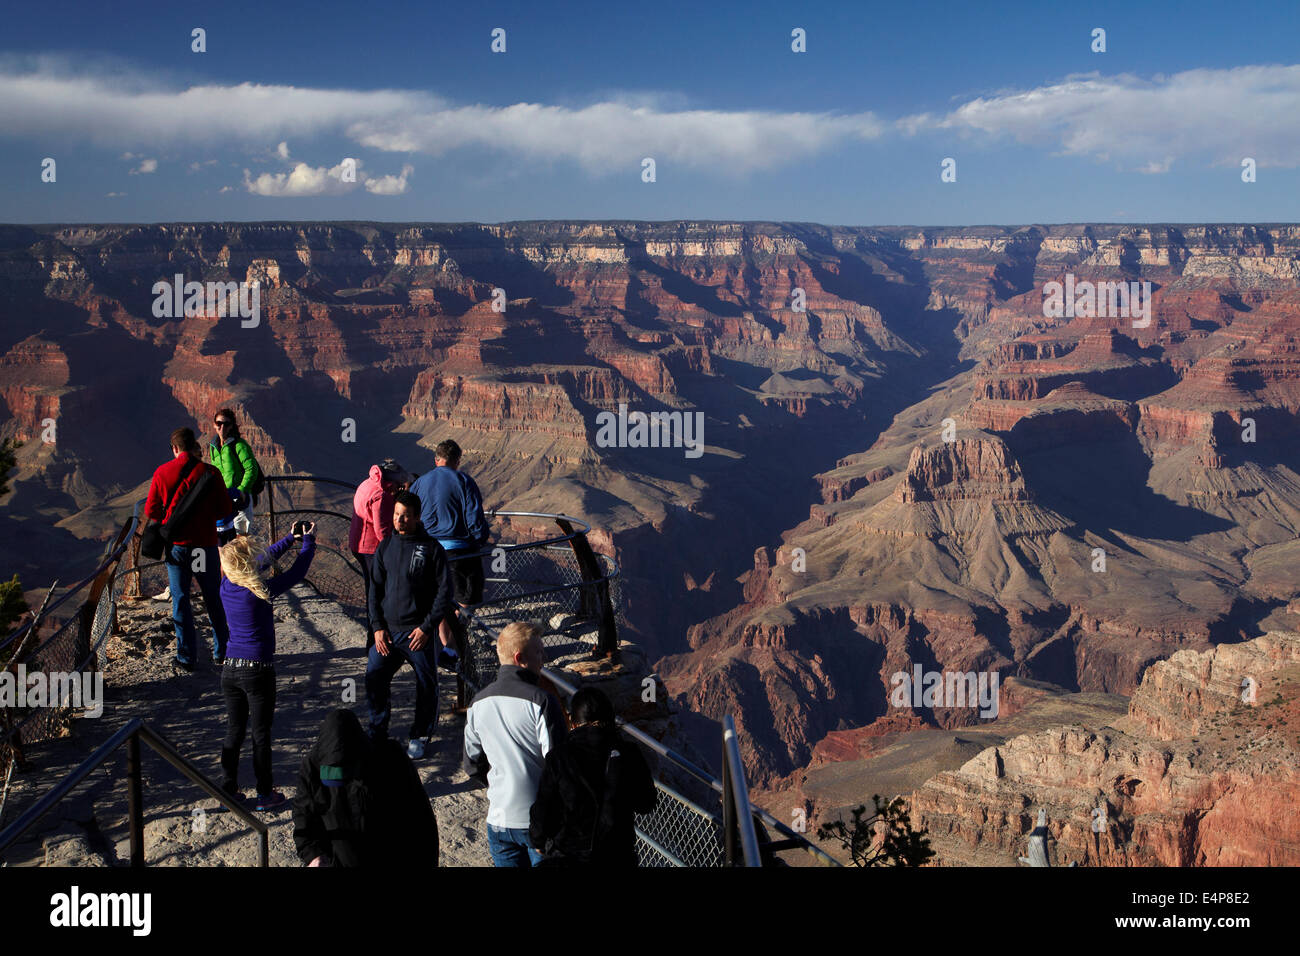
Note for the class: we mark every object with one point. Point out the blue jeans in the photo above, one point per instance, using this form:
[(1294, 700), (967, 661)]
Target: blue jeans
[(379, 678), (511, 847), (180, 571)]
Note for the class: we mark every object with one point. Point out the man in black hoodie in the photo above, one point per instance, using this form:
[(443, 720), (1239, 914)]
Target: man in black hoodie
[(410, 594), (361, 803)]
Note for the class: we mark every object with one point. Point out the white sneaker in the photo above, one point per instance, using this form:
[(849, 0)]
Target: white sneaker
[(165, 595), (415, 749)]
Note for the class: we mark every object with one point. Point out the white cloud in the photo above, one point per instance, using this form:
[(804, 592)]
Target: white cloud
[(1218, 114), (146, 166), (390, 185), (113, 195), (614, 137), (1155, 167), (303, 180), (127, 110)]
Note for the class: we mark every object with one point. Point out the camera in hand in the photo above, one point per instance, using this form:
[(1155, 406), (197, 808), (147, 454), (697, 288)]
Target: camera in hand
[(300, 528)]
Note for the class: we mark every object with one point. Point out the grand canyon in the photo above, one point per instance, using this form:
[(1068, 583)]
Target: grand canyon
[(906, 462)]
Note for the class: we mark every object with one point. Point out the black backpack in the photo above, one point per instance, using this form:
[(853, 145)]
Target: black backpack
[(208, 483)]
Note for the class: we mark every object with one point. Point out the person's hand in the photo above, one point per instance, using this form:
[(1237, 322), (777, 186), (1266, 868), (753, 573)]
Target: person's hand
[(319, 861), (241, 501), (381, 643), (418, 639), (310, 530)]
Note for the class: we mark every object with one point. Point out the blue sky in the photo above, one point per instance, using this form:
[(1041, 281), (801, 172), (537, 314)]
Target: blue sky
[(853, 131)]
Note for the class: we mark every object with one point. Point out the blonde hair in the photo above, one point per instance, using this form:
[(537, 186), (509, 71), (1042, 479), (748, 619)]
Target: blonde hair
[(239, 563), (514, 639)]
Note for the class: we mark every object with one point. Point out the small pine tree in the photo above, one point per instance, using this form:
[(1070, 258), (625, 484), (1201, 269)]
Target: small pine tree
[(12, 604), (885, 838), (7, 462)]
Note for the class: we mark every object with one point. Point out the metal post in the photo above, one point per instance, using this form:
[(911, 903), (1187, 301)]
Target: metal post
[(729, 840), (270, 508), (135, 799)]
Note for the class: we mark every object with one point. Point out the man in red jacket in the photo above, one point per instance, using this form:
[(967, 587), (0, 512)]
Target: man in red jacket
[(193, 552)]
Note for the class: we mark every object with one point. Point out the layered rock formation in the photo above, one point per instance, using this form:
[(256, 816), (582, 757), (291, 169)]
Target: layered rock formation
[(1203, 771), (920, 466), (1089, 495)]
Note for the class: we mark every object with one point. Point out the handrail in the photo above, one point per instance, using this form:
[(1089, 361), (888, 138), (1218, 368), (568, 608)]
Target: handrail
[(131, 734), (74, 589), (738, 816), (703, 776)]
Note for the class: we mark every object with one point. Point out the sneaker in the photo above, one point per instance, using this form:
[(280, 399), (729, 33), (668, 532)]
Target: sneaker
[(164, 595), (415, 748), (187, 668), (269, 801)]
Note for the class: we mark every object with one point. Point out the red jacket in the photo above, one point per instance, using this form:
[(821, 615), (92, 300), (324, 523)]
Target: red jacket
[(200, 531), (372, 514)]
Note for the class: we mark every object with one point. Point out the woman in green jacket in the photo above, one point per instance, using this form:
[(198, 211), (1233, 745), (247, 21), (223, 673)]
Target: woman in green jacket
[(234, 459)]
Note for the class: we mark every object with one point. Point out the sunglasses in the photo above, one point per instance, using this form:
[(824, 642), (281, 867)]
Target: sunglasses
[(222, 424)]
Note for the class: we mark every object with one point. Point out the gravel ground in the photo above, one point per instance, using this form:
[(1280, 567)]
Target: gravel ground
[(320, 664)]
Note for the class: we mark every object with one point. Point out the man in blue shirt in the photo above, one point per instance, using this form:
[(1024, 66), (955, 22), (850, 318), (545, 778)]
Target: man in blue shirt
[(452, 514)]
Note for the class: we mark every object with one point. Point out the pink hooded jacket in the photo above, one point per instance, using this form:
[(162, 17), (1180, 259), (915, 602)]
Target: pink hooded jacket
[(372, 514)]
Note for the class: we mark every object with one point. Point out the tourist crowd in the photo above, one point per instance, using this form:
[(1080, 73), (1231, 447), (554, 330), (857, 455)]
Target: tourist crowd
[(560, 790)]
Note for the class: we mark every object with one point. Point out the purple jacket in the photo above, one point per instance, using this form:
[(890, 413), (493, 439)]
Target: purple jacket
[(252, 625)]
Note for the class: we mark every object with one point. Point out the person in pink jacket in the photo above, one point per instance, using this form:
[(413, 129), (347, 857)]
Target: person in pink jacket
[(372, 517)]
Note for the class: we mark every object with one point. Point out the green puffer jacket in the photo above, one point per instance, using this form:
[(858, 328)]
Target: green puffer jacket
[(236, 463)]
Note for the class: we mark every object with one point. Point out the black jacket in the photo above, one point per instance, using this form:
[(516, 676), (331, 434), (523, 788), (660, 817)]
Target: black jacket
[(587, 798), (410, 583), (360, 804)]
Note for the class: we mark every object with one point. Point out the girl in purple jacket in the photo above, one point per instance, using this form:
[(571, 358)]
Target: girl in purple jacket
[(248, 675)]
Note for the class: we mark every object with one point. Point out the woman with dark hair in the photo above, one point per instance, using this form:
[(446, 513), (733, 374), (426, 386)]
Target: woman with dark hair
[(594, 782), (248, 676), (234, 459)]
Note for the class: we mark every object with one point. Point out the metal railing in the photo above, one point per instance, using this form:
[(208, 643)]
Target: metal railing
[(131, 734), (82, 618), (558, 580), (680, 831)]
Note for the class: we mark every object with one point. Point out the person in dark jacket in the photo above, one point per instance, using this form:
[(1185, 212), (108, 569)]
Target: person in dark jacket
[(361, 803), (410, 593), (594, 781), (248, 676), (193, 551), (452, 512)]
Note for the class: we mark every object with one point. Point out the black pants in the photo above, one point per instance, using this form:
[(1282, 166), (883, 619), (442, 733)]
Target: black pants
[(250, 697)]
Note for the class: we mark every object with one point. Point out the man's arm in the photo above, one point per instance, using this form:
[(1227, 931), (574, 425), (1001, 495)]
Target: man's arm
[(475, 763), (297, 571), (441, 574), (153, 504), (375, 597), (475, 521)]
